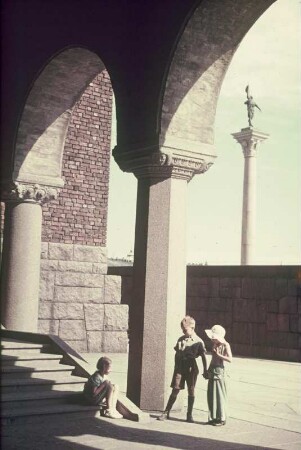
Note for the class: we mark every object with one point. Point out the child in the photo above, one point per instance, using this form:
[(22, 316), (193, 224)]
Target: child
[(217, 391), (188, 348), (98, 387)]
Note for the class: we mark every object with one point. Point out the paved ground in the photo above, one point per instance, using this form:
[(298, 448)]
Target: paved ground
[(265, 412)]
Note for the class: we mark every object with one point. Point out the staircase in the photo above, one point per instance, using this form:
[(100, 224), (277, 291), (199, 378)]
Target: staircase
[(36, 383)]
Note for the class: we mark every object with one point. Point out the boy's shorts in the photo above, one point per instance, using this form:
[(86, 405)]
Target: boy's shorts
[(179, 379)]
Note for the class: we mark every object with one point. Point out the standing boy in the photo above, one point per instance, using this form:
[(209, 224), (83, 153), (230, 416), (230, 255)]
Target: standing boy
[(188, 348)]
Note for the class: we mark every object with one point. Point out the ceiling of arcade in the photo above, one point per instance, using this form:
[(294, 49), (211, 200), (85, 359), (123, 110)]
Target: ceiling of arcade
[(166, 62)]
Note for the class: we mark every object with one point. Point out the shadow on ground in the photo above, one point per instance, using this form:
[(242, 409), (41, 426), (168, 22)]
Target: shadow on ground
[(102, 434)]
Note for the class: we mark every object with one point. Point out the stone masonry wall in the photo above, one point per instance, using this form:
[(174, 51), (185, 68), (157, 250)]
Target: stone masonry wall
[(79, 302), (260, 307)]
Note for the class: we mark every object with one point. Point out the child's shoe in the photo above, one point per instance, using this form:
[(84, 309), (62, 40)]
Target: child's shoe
[(164, 416), (111, 414)]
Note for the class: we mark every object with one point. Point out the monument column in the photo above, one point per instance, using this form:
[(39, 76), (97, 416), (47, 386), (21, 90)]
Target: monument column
[(249, 139), (159, 275), (20, 268)]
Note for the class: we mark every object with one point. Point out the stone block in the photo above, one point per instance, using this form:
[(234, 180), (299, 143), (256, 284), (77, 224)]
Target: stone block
[(78, 346), (294, 355), (230, 292), (115, 342), (94, 341), (116, 317), (272, 306), (283, 322), (49, 265), (72, 330), (220, 318), (47, 285), (248, 289), (293, 323), (68, 311), (44, 250), (288, 305), (281, 287), (196, 289), (90, 253), (259, 334), (220, 304), (249, 311), (60, 251), (112, 289), (78, 294), (272, 322), (242, 333), (46, 310), (99, 268), (74, 266), (282, 339), (79, 279), (265, 288), (46, 326), (94, 317), (213, 287), (230, 282), (292, 289)]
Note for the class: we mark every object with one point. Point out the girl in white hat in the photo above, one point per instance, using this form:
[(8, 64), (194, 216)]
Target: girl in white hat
[(217, 390)]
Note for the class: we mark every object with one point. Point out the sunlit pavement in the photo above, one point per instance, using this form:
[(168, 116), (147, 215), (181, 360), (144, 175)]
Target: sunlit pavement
[(264, 412)]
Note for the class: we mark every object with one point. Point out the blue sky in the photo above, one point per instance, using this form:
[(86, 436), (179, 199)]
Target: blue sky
[(268, 59)]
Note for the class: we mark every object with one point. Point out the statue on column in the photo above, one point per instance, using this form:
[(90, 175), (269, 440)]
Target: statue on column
[(251, 105)]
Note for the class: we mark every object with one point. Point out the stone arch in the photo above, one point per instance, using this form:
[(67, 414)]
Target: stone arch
[(46, 115), (199, 64)]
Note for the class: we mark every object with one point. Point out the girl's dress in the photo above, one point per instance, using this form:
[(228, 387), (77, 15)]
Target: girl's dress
[(217, 389)]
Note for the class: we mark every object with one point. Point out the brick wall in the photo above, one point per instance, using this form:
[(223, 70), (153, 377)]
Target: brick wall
[(260, 307), (79, 215)]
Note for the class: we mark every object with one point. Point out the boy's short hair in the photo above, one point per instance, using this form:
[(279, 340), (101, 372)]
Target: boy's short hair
[(188, 321), (103, 362)]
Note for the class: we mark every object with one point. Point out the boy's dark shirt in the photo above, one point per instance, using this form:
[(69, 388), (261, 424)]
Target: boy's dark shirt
[(187, 350)]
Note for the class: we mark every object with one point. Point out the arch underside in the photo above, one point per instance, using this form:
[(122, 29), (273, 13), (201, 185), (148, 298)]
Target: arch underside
[(197, 70), (46, 115)]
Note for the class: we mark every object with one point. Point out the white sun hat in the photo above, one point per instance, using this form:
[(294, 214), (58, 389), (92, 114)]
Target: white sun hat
[(217, 332)]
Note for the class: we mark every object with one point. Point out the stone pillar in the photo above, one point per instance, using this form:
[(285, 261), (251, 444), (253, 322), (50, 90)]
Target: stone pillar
[(159, 277), (249, 139), (20, 269)]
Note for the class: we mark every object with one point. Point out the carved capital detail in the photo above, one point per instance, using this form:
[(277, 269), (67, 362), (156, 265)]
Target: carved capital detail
[(249, 139), (162, 163), (28, 192)]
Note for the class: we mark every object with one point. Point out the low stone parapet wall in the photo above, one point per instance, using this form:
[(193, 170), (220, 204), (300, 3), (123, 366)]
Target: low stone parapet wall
[(260, 306), (79, 301)]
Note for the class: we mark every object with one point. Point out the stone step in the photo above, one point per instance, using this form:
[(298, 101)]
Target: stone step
[(14, 344), (16, 359), (39, 364), (44, 398), (58, 370), (15, 415), (39, 384)]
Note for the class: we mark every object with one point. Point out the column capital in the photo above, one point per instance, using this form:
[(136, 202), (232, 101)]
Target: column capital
[(28, 192), (162, 162), (249, 138)]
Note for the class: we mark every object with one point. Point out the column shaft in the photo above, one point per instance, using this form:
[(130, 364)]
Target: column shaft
[(159, 296), (20, 271), (249, 212)]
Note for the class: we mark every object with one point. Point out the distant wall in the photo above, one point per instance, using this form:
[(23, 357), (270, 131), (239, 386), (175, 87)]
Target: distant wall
[(260, 307)]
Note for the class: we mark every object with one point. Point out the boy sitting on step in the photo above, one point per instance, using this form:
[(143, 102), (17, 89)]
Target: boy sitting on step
[(98, 388)]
